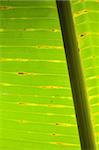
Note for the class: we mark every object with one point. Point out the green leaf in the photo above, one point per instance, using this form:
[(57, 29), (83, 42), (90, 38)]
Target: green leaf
[(36, 106), (87, 28)]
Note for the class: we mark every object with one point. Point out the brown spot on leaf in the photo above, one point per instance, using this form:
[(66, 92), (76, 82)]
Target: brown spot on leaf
[(21, 73), (81, 35), (6, 7), (85, 11), (53, 134), (21, 103), (57, 124)]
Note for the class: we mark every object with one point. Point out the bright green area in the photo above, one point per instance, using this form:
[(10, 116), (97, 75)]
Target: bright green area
[(86, 17), (36, 106)]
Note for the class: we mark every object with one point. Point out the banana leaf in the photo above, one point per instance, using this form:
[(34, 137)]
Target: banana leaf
[(36, 104), (85, 14)]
